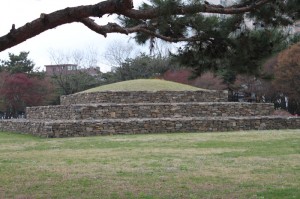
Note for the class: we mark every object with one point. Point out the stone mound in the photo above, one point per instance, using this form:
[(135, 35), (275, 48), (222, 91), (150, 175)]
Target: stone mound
[(108, 113)]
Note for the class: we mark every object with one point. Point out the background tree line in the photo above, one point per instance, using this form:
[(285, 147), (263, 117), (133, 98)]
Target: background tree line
[(232, 48), (21, 86)]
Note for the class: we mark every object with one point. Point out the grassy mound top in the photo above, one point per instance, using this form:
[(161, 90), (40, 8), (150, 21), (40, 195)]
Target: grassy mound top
[(145, 85)]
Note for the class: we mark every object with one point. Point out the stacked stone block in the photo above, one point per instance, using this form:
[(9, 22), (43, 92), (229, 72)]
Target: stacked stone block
[(109, 113), (126, 97), (149, 110)]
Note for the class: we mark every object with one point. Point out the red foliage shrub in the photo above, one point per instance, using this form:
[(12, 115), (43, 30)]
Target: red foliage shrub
[(207, 80), (210, 81), (20, 90), (181, 76)]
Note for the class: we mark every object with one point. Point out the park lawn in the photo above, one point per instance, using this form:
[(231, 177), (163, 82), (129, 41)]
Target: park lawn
[(252, 164)]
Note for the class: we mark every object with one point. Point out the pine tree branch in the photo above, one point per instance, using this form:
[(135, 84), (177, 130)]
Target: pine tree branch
[(109, 28), (124, 7), (142, 28), (169, 39)]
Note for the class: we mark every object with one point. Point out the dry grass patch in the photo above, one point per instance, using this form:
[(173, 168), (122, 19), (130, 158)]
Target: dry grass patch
[(144, 85)]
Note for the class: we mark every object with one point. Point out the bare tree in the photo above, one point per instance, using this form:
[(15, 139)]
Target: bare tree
[(86, 58), (79, 78), (83, 14), (118, 51)]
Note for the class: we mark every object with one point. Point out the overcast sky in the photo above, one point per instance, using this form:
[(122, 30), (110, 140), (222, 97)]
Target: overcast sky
[(65, 38)]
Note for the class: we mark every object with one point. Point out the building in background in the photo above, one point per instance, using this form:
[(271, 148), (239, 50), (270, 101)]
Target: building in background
[(67, 69)]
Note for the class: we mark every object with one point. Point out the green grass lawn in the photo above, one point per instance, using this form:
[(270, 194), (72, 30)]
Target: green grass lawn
[(145, 85), (253, 164)]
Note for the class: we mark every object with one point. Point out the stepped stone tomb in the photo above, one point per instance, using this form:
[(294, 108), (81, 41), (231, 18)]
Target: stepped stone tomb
[(134, 112)]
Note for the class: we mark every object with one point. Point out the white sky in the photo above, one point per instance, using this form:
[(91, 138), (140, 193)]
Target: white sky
[(68, 37)]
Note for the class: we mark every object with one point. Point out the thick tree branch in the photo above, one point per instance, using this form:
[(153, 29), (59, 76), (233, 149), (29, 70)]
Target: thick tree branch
[(81, 13), (143, 28), (111, 27)]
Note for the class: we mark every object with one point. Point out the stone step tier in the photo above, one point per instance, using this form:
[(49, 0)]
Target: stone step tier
[(109, 113), (149, 110), (145, 97), (74, 128)]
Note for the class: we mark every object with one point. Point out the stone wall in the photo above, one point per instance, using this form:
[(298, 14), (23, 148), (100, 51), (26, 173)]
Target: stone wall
[(73, 128), (107, 113), (149, 110), (145, 97), (37, 128)]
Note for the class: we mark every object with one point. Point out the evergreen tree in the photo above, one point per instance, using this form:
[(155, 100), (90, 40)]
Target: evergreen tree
[(214, 35), (228, 45), (17, 63), (142, 66), (170, 20)]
